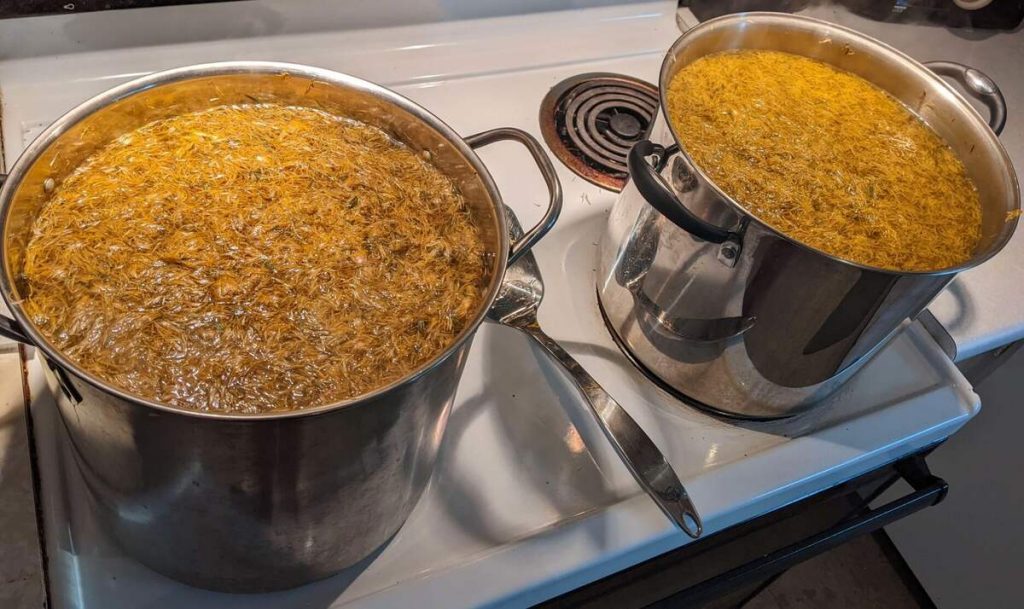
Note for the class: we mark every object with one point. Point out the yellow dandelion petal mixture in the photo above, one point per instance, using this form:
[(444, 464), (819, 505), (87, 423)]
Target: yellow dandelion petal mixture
[(254, 258), (826, 158)]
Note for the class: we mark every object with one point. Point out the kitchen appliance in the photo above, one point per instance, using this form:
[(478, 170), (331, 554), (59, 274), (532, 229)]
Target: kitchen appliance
[(590, 121), (257, 502), (738, 318), (516, 306), (527, 500)]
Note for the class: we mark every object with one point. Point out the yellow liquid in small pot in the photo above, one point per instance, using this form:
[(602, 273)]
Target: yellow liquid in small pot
[(826, 158)]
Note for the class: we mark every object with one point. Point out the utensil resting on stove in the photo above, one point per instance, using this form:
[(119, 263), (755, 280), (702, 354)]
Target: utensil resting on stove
[(516, 307)]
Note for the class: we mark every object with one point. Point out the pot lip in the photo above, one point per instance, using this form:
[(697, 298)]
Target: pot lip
[(883, 48), (85, 109)]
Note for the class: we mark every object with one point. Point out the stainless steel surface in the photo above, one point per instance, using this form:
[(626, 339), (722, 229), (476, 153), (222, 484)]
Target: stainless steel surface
[(516, 306), (811, 320), (978, 85), (255, 502), (979, 309), (938, 333), (524, 241)]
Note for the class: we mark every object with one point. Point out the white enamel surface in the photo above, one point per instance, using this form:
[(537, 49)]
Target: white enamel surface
[(528, 499), (93, 31), (38, 89)]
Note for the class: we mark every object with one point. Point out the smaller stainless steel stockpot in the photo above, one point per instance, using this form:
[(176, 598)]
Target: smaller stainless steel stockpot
[(730, 314), (271, 501)]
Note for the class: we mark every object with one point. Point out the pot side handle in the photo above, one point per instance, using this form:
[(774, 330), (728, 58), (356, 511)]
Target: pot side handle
[(12, 330), (547, 171), (656, 191), (979, 85)]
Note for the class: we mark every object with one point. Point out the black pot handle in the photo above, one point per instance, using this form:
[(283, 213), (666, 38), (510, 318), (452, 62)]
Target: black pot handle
[(659, 195), (979, 85), (929, 490), (12, 330)]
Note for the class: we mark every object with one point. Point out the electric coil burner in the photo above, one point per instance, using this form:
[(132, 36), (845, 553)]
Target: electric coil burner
[(590, 122)]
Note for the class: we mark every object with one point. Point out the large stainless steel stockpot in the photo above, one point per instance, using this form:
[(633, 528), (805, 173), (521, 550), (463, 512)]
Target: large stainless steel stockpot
[(737, 317), (271, 501)]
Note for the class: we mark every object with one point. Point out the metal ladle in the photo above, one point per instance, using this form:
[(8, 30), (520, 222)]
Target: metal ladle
[(516, 306)]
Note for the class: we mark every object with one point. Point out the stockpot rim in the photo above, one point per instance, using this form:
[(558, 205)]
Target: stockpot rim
[(884, 50), (227, 68)]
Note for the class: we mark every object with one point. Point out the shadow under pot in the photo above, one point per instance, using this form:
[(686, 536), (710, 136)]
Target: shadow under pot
[(736, 317), (248, 503)]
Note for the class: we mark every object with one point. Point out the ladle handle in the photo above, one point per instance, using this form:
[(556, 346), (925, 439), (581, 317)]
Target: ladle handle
[(979, 85), (547, 171), (641, 456)]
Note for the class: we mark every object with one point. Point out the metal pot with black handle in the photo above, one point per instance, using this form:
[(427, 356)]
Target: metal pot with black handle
[(737, 317), (268, 501)]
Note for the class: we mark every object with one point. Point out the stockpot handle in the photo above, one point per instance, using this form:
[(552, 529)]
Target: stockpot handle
[(8, 327), (12, 330), (979, 85), (656, 191), (547, 171)]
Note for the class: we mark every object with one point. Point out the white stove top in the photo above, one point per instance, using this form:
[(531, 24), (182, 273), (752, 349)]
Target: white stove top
[(528, 499)]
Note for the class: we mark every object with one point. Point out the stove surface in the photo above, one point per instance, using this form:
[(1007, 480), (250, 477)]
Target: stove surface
[(590, 121), (528, 499)]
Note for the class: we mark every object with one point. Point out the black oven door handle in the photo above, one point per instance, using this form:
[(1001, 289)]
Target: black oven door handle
[(928, 491)]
